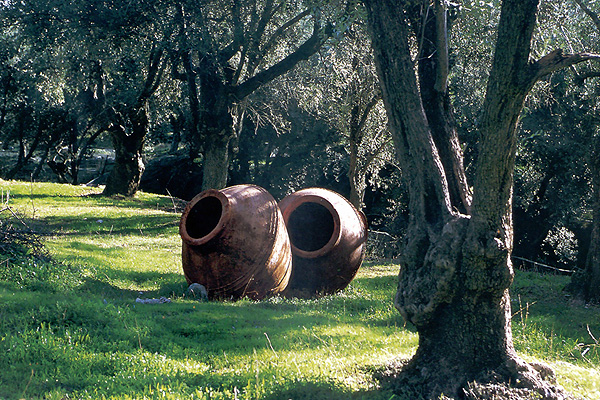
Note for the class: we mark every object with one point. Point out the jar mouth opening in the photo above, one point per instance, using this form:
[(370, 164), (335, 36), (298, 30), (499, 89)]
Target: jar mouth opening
[(203, 217), (313, 226)]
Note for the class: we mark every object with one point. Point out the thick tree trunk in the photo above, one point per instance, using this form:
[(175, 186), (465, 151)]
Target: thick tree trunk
[(474, 341), (128, 168), (20, 156), (455, 268), (433, 83), (216, 162), (216, 124), (128, 132), (218, 129), (23, 156)]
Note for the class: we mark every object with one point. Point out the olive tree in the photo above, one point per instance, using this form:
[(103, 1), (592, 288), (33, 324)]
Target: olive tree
[(225, 51), (587, 284), (456, 267), (352, 102), (101, 64)]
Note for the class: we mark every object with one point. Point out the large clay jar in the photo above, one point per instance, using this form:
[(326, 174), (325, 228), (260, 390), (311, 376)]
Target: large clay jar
[(328, 236), (235, 243)]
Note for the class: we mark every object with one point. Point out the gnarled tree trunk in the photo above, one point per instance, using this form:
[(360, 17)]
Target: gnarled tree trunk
[(219, 79), (128, 129), (455, 268), (127, 171)]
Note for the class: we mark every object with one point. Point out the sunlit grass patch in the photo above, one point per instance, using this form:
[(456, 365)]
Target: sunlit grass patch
[(74, 329), (583, 382)]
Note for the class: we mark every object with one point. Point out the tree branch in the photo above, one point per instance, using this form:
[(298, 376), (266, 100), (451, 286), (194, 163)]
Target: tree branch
[(280, 31), (594, 16), (365, 115), (155, 69), (232, 48), (586, 75), (252, 45), (441, 84), (307, 49), (556, 61)]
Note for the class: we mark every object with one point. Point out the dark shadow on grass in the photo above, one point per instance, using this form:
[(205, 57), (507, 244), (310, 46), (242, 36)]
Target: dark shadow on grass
[(142, 225), (156, 202), (171, 285), (204, 331), (325, 391)]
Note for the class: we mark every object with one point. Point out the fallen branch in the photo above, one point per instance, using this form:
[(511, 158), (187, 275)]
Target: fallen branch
[(539, 264)]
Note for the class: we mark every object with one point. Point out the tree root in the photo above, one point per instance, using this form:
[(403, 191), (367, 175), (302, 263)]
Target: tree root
[(516, 380)]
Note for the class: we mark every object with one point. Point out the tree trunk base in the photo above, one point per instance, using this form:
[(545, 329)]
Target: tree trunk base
[(515, 380)]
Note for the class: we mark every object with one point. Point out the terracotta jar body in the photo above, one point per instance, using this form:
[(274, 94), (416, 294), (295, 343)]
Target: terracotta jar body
[(235, 243), (327, 236)]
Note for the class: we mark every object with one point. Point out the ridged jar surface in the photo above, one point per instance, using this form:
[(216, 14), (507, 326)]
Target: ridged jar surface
[(327, 236), (235, 243)]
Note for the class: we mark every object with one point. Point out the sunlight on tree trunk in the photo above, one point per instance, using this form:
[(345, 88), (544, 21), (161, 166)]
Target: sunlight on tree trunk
[(216, 162)]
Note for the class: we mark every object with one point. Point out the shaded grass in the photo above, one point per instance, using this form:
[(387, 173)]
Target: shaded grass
[(78, 331)]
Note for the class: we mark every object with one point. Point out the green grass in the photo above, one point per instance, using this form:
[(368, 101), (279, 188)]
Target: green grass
[(73, 329)]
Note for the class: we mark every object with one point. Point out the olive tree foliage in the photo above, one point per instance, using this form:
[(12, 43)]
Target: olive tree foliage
[(340, 92), (552, 178), (353, 104), (287, 142), (225, 51), (30, 117), (326, 111), (100, 62), (456, 261), (586, 283), (552, 175)]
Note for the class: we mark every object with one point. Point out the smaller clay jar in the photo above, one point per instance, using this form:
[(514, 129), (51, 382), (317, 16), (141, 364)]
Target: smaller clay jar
[(235, 243), (327, 236)]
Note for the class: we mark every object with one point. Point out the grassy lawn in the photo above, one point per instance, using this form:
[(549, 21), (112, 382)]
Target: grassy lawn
[(74, 330)]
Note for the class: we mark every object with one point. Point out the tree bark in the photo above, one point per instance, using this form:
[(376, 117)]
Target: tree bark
[(455, 266), (433, 83), (216, 162), (128, 129), (217, 124), (217, 89), (124, 179)]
